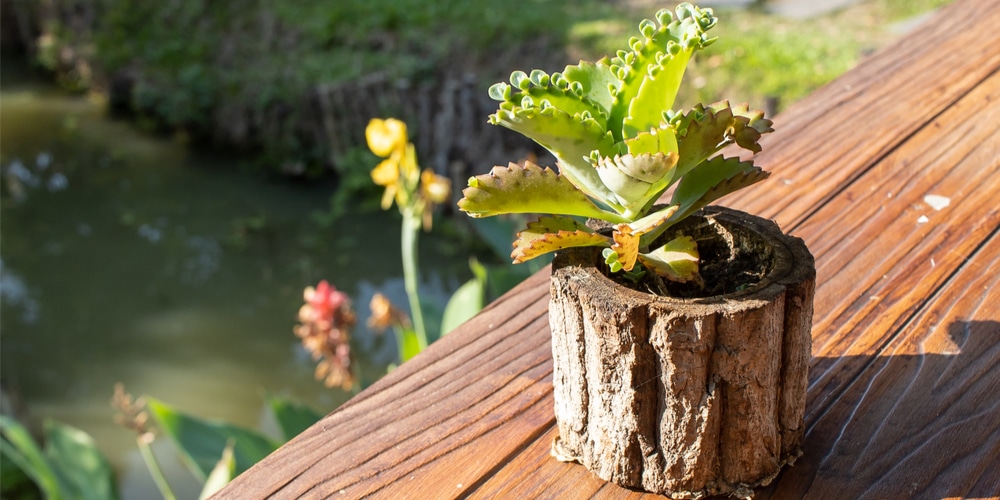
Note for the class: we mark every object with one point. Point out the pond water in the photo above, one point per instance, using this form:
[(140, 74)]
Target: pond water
[(126, 257)]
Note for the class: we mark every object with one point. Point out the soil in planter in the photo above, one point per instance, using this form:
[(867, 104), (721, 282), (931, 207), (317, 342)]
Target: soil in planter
[(733, 259)]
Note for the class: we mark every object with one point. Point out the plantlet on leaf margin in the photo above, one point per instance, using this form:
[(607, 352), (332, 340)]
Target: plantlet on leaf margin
[(619, 146)]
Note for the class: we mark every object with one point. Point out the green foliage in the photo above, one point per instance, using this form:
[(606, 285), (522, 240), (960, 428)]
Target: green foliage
[(618, 142), (223, 472), (293, 417), (467, 300), (201, 442), (69, 466)]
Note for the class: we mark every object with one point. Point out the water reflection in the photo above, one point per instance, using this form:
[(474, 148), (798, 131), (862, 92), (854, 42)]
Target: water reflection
[(127, 258)]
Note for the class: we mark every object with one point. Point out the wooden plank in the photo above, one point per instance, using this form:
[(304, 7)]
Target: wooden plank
[(839, 131), (549, 478), (922, 420), (876, 261)]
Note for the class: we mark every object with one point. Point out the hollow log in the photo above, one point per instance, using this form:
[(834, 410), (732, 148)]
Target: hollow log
[(685, 396)]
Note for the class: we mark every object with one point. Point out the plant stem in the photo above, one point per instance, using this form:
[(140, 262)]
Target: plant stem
[(411, 228), (154, 467)]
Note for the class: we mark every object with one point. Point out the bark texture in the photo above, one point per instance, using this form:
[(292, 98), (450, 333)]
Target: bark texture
[(685, 397)]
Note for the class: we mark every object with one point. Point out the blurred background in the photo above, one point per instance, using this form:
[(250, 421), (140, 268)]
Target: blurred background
[(173, 174)]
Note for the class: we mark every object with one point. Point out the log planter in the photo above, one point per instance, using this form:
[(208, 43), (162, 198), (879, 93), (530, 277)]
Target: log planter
[(693, 396)]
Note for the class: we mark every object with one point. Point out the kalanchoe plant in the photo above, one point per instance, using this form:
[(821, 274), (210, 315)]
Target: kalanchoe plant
[(620, 146)]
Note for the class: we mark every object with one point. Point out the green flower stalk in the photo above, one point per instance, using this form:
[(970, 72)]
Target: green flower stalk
[(415, 193), (619, 147)]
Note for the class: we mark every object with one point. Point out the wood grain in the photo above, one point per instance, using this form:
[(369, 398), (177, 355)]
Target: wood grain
[(877, 265), (827, 140), (902, 394), (923, 419)]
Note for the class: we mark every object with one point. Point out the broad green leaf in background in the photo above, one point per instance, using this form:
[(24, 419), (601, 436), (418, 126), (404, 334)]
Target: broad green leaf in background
[(14, 482), (75, 457), (467, 300), (202, 441), (411, 344), (293, 417), (21, 449), (223, 472), (70, 466), (497, 232)]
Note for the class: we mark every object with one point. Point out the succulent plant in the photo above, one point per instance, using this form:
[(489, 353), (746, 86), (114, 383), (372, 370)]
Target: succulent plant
[(619, 147)]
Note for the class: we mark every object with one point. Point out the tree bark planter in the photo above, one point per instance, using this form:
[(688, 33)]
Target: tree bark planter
[(686, 397)]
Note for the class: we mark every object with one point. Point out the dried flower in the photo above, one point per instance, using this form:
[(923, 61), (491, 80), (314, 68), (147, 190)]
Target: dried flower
[(325, 326), (132, 413), (385, 315), (434, 190)]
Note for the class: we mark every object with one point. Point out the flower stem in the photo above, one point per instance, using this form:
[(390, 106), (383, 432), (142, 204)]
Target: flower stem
[(154, 467), (411, 228)]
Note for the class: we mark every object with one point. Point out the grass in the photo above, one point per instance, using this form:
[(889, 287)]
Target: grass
[(760, 55)]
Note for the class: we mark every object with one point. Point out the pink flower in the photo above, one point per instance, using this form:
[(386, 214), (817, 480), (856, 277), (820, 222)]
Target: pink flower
[(325, 299), (326, 321)]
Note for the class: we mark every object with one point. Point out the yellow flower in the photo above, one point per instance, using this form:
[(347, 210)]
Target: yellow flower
[(386, 174), (386, 137), (398, 173), (408, 169)]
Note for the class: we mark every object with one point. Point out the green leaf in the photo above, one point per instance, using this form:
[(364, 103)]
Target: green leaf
[(656, 94), (702, 132), (549, 234), (292, 416), (713, 180), (504, 277), (710, 181), (497, 232), (201, 441), (596, 80), (635, 180), (657, 140), (559, 93), (571, 139), (223, 472), (676, 261), (75, 457), (652, 66), (14, 483), (528, 189), (409, 343), (463, 304), (652, 221), (21, 449)]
